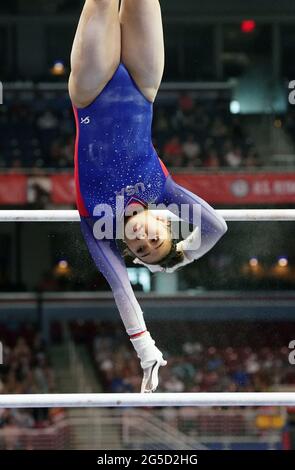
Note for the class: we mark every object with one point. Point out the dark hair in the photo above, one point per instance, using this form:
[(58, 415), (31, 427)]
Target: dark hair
[(173, 258)]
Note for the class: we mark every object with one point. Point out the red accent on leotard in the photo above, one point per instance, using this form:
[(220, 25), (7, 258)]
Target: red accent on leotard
[(166, 172), (79, 200)]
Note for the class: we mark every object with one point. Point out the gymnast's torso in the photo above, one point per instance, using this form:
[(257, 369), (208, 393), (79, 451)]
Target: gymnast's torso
[(114, 151)]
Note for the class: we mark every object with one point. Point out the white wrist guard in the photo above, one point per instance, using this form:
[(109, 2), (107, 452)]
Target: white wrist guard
[(151, 359), (146, 350)]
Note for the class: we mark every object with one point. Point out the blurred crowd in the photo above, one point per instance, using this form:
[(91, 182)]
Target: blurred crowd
[(187, 133), (224, 357), (202, 357), (35, 136), (25, 369), (202, 134)]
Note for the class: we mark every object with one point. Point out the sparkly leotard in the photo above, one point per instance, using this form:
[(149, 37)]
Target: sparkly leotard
[(115, 157)]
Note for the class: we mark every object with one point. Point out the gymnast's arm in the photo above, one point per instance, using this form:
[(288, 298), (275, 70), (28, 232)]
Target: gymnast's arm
[(209, 226), (109, 261)]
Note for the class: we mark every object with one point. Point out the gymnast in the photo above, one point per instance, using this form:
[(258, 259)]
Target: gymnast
[(117, 63)]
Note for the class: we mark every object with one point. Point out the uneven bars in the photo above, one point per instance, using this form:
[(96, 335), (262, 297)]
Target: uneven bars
[(230, 215), (104, 400)]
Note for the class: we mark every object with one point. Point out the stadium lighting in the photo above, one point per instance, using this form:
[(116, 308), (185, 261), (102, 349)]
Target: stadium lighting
[(235, 107)]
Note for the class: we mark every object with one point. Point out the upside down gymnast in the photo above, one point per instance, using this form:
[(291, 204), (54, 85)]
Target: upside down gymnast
[(117, 64)]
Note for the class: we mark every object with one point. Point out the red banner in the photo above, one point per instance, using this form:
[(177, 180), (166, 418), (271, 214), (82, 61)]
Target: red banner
[(63, 189), (13, 189), (241, 188), (224, 188)]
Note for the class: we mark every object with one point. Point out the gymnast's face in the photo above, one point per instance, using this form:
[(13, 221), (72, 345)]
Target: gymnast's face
[(148, 237)]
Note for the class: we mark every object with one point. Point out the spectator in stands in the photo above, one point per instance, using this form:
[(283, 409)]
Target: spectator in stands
[(161, 124), (233, 157), (191, 150), (219, 130), (47, 121), (252, 159), (48, 128), (173, 384), (173, 148), (183, 121), (39, 134), (212, 160), (25, 370), (197, 367)]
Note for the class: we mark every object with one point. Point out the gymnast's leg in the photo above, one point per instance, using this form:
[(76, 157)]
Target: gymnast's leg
[(143, 43), (96, 50)]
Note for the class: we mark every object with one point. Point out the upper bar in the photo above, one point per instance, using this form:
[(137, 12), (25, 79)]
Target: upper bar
[(103, 400), (230, 215)]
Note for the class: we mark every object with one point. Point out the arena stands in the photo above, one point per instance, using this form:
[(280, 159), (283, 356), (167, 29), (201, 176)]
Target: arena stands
[(38, 132)]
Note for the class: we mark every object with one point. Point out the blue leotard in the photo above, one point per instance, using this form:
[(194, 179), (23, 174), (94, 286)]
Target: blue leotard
[(115, 156), (114, 149)]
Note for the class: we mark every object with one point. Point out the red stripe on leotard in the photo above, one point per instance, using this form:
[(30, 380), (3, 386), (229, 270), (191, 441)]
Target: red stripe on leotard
[(166, 172), (79, 199)]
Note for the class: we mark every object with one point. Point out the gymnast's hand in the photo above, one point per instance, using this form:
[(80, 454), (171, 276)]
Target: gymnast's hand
[(150, 379), (151, 359)]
